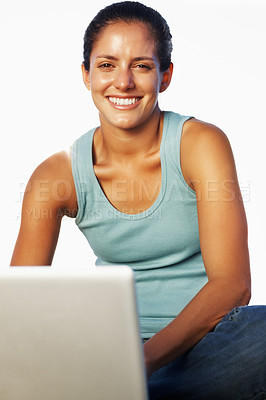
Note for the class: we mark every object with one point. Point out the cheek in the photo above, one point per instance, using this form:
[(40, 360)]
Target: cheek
[(152, 88), (100, 82), (150, 84)]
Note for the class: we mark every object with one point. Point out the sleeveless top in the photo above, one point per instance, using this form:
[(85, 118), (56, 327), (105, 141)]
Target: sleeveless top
[(160, 244)]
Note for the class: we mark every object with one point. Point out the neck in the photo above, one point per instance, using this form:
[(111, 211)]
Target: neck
[(122, 145)]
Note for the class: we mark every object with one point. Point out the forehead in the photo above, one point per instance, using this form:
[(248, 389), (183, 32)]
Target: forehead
[(126, 38)]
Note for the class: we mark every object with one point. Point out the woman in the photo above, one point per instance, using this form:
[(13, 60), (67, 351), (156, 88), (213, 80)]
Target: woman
[(157, 191)]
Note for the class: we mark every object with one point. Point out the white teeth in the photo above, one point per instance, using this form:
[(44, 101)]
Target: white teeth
[(123, 102)]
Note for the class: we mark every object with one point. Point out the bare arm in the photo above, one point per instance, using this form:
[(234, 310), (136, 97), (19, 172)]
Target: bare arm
[(208, 163), (50, 194)]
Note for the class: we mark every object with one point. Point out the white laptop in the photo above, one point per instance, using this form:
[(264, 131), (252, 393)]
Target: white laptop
[(70, 334)]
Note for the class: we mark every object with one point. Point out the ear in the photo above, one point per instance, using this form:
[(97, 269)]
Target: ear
[(166, 78), (86, 77)]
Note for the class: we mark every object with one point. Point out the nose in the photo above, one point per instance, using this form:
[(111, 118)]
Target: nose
[(124, 79)]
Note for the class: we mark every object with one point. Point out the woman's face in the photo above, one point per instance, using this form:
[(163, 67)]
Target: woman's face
[(124, 76)]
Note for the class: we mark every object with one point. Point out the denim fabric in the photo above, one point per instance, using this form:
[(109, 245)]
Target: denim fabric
[(229, 363)]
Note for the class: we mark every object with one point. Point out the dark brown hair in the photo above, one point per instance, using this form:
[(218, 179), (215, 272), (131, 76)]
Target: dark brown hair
[(131, 11)]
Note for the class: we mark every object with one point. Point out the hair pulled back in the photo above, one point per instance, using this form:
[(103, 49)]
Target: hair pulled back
[(131, 11)]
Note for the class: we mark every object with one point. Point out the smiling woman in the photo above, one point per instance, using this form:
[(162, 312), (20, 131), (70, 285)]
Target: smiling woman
[(124, 75), (140, 186)]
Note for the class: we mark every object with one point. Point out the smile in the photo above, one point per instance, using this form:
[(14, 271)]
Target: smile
[(124, 101)]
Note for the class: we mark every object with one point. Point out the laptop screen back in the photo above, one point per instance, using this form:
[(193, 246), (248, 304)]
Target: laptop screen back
[(70, 334)]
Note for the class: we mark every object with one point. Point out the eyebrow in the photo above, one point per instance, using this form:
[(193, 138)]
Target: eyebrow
[(134, 59)]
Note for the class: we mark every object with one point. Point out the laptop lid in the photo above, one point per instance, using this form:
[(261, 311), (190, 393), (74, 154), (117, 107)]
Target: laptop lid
[(70, 334)]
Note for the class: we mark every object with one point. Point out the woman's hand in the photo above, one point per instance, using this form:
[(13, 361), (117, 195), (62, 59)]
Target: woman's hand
[(149, 366)]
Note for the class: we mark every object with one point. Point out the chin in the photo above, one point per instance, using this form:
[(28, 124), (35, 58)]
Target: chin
[(124, 122), (130, 121)]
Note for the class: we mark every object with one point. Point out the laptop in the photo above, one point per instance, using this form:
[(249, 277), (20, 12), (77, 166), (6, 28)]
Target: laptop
[(70, 334)]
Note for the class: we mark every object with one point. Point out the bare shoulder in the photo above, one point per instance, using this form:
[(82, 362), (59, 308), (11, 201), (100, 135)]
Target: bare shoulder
[(49, 195), (205, 152), (52, 182), (55, 165), (199, 135)]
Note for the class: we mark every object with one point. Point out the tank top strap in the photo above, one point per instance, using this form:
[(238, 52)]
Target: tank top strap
[(81, 159), (175, 123)]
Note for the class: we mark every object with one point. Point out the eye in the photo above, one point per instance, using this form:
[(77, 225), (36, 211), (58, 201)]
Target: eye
[(105, 66), (143, 66)]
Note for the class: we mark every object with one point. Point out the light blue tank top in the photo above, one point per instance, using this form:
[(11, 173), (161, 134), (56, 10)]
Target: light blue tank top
[(160, 244)]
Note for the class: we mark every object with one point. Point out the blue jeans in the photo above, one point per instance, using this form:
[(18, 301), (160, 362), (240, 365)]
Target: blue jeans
[(229, 363)]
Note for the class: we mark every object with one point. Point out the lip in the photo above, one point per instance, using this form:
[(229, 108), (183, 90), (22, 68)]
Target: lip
[(125, 106)]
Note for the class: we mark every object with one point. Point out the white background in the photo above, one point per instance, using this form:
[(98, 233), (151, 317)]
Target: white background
[(219, 77)]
